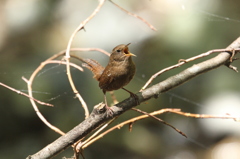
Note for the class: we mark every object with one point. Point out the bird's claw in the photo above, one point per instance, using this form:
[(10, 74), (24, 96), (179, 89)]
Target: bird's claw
[(109, 111)]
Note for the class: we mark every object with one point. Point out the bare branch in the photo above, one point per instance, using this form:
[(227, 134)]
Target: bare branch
[(99, 116), (90, 49), (81, 26), (130, 121), (135, 15), (80, 146), (67, 56), (158, 119), (182, 62), (24, 94), (63, 62), (227, 116)]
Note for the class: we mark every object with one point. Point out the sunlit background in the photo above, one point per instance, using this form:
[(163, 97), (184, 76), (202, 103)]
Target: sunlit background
[(33, 30)]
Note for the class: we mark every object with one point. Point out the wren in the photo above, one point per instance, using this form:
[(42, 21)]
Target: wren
[(117, 74)]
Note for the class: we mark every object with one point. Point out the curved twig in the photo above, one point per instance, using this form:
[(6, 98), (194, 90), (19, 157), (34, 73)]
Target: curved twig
[(39, 114), (67, 55), (135, 15), (30, 81)]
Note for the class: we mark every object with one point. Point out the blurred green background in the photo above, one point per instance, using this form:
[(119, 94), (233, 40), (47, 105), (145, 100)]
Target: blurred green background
[(32, 31)]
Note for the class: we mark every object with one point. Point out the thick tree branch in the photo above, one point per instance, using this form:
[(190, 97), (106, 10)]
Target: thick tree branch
[(98, 116)]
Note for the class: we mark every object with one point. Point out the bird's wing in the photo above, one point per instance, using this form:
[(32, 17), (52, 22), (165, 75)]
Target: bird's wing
[(94, 66), (105, 80)]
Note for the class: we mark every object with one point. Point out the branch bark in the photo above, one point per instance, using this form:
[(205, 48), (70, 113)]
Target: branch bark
[(98, 116)]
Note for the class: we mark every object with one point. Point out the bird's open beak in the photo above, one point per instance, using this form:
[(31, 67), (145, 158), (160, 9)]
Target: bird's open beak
[(130, 54), (127, 53)]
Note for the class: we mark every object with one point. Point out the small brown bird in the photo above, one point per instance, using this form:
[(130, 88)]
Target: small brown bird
[(117, 74)]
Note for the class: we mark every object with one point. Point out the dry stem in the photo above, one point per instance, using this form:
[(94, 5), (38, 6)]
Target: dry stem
[(29, 83), (24, 94), (182, 62), (135, 15), (67, 56)]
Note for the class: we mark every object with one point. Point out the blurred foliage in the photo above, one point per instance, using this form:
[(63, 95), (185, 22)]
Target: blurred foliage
[(32, 31)]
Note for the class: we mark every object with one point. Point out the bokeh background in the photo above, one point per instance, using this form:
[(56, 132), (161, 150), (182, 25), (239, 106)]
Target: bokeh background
[(33, 30)]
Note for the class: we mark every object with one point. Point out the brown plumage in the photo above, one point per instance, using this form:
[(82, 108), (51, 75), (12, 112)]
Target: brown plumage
[(118, 72)]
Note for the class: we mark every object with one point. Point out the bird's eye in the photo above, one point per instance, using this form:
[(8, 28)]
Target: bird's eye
[(118, 50)]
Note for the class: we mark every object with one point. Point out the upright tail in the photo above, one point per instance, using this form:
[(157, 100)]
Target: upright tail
[(93, 66)]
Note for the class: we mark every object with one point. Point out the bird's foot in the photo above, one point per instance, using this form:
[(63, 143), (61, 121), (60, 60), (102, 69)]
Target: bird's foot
[(109, 111)]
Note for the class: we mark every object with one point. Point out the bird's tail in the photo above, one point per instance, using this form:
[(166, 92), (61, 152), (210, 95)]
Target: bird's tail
[(93, 66)]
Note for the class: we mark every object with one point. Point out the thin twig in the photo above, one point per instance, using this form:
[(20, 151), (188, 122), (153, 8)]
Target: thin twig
[(30, 81), (81, 26), (182, 62), (84, 105), (79, 145), (228, 116), (90, 49), (63, 62), (39, 114), (67, 56), (24, 94), (127, 122), (62, 53), (162, 121), (135, 15)]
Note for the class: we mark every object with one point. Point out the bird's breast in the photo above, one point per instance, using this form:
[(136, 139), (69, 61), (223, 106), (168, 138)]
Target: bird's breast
[(117, 75)]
